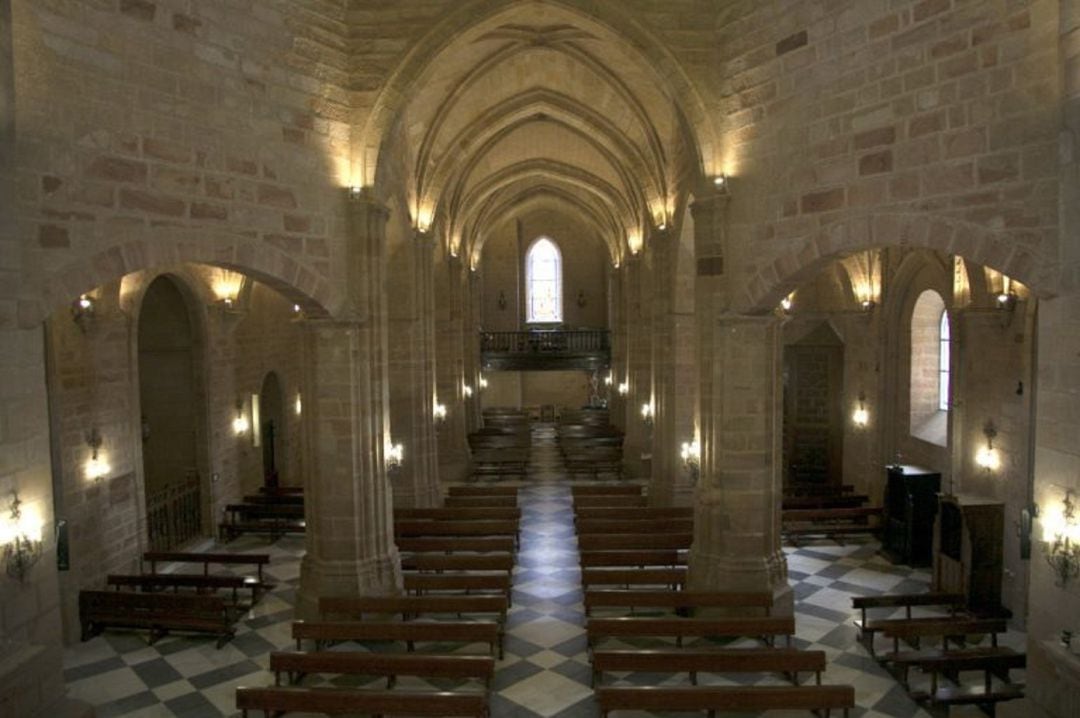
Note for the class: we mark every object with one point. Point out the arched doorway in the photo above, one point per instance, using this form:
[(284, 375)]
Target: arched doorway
[(168, 399), (272, 429)]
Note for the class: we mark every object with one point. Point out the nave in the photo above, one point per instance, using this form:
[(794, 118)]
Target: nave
[(545, 670)]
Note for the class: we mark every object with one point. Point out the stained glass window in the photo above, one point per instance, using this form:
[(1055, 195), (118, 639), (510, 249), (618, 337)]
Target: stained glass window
[(943, 362), (543, 282)]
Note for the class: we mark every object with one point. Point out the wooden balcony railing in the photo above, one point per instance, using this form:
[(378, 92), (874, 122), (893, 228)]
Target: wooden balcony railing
[(546, 349)]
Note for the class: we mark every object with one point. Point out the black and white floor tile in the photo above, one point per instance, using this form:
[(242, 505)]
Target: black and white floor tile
[(545, 671)]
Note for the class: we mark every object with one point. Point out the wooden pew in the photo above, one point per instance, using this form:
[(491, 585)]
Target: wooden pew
[(407, 528), (640, 558), (633, 513), (150, 582), (633, 526), (624, 627), (275, 499), (623, 542), (610, 500), (281, 490), (462, 513), (789, 661), (672, 578), (456, 544), (824, 502), (339, 701), (807, 489), (607, 490), (389, 665), (480, 501), (952, 602), (831, 522), (258, 560), (322, 633), (483, 491), (273, 519), (421, 583), (994, 661), (355, 607), (594, 460), (742, 699), (675, 600), (458, 562), (157, 612), (950, 629)]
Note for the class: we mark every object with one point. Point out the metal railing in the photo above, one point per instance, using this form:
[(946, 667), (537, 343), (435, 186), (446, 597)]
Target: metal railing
[(174, 514), (547, 341)]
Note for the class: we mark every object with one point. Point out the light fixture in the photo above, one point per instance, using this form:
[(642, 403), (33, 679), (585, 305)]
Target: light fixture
[(624, 388), (720, 182), (82, 310), (256, 421), (647, 413), (581, 298), (691, 457), (240, 423), (1061, 531), (395, 455), (868, 305), (355, 192), (466, 390), (96, 467), (662, 226), (20, 536), (439, 412), (861, 417), (609, 380), (987, 456), (482, 382), (298, 405), (296, 309), (786, 303)]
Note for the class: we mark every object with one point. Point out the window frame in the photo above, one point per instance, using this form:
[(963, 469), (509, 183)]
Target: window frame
[(944, 361), (530, 316)]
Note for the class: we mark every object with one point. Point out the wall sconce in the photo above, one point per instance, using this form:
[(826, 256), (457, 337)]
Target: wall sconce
[(609, 380), (439, 412), (861, 417), (227, 305), (298, 313), (691, 457), (298, 405), (482, 382), (581, 298), (867, 305), (82, 310), (502, 299), (647, 414), (355, 192), (1061, 531), (96, 467), (624, 388), (466, 390), (240, 423), (720, 182), (395, 455), (256, 421), (20, 536), (786, 303), (987, 456)]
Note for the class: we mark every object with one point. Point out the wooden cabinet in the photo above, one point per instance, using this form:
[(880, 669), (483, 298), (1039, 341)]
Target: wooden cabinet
[(910, 506), (968, 546)]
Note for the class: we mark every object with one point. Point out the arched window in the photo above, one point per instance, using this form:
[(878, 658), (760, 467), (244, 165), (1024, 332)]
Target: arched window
[(930, 357), (543, 282), (943, 362)]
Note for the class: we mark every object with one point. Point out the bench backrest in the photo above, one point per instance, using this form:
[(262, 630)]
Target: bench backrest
[(856, 512), (128, 602), (356, 606), (336, 701), (633, 576), (259, 559), (630, 526), (465, 631), (466, 513), (458, 562), (423, 527), (642, 557), (633, 513), (479, 501), (946, 626), (457, 582), (676, 599), (482, 491), (731, 660), (383, 664), (729, 698), (733, 626), (609, 500), (900, 600), (618, 542), (455, 543)]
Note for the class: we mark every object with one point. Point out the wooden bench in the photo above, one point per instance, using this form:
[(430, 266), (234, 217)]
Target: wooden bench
[(480, 501), (640, 558), (633, 526), (953, 602), (633, 513), (273, 519), (483, 491), (458, 562), (150, 582), (741, 699), (954, 629), (275, 499), (824, 502), (355, 607), (407, 528), (421, 583), (831, 522), (339, 701), (281, 490), (461, 513), (476, 544), (157, 612), (624, 627), (624, 542), (389, 665), (594, 460), (322, 633), (672, 578), (808, 489), (993, 662), (788, 661), (610, 500), (607, 490), (258, 560), (675, 600)]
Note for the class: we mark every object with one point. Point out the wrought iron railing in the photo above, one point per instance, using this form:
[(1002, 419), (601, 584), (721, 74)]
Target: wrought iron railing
[(174, 514), (547, 341)]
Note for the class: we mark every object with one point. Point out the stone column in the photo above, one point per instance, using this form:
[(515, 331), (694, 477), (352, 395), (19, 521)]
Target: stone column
[(350, 541), (674, 373), (638, 441), (737, 517), (451, 376), (617, 327), (416, 481)]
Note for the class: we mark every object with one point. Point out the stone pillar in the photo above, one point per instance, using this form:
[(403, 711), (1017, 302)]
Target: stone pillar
[(350, 540), (674, 374), (416, 481), (451, 377), (617, 327), (637, 445)]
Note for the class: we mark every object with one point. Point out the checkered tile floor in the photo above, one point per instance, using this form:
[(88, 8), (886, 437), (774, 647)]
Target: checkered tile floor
[(545, 671)]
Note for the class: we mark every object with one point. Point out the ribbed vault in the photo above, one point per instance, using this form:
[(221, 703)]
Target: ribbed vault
[(539, 104)]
